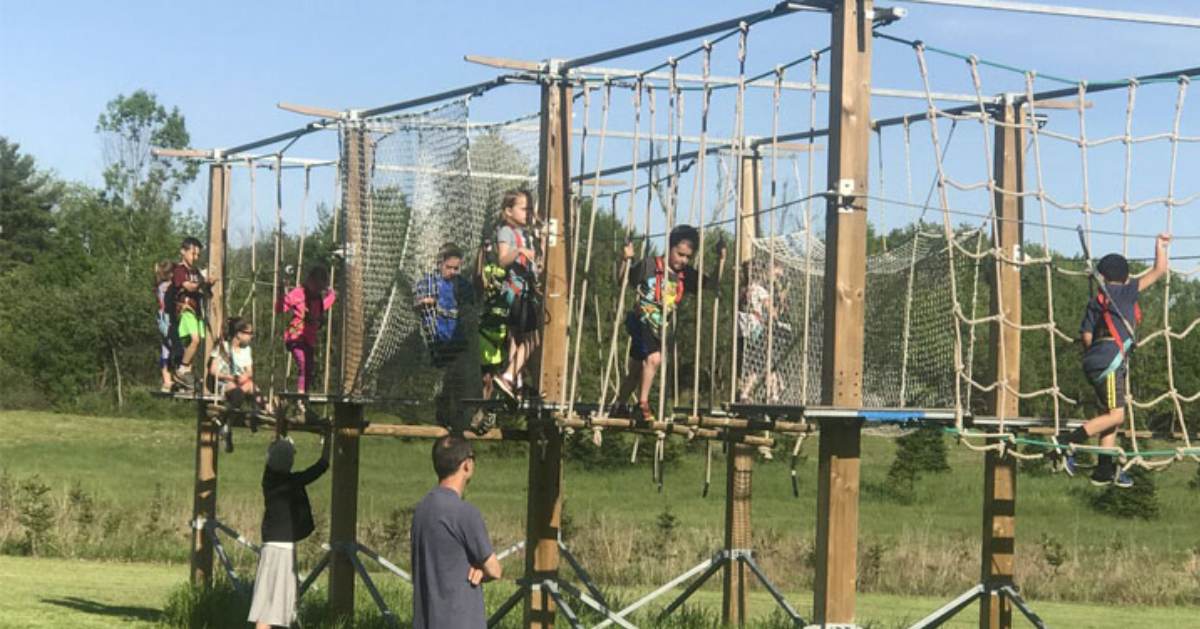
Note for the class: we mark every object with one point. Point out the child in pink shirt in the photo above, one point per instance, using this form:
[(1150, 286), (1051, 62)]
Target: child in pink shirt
[(308, 304)]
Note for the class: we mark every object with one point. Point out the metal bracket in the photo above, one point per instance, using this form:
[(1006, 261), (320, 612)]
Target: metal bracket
[(552, 232), (843, 196)]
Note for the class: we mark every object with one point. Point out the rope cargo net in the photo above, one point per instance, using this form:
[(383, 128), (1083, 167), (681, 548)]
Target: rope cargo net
[(1100, 194), (427, 178)]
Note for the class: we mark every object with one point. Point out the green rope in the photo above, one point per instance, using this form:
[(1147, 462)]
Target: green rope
[(1050, 446), (969, 58)]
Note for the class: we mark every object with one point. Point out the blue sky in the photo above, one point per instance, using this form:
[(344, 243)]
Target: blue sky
[(226, 64)]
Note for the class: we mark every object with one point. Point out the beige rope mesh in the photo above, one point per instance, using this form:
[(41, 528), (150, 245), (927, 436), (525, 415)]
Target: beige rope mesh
[(1051, 269)]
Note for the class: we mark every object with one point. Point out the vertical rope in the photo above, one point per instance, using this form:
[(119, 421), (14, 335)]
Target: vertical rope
[(587, 262), (1002, 321), (665, 349), (567, 392), (698, 199), (814, 67), (251, 166), (739, 142), (1170, 204), (1128, 141), (278, 257), (337, 190), (773, 311), (610, 364)]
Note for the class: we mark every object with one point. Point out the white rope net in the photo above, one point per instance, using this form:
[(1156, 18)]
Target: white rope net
[(1107, 192), (909, 360), (430, 178)]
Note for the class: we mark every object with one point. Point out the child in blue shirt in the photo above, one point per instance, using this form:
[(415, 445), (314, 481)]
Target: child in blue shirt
[(1107, 332)]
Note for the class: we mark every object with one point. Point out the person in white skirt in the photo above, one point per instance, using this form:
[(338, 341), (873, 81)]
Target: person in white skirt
[(287, 519)]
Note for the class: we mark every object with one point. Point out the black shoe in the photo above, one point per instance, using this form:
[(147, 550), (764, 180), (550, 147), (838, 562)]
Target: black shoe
[(1102, 477), (227, 433)]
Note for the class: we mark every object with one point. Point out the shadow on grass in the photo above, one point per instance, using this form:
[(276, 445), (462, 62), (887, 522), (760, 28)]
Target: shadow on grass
[(97, 608)]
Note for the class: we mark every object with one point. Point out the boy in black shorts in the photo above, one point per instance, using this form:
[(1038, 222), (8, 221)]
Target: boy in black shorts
[(662, 282), (1108, 337)]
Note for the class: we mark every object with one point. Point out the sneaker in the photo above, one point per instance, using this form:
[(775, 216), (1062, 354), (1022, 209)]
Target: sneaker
[(1102, 478), (1123, 480), (184, 383), (647, 415), (1068, 464)]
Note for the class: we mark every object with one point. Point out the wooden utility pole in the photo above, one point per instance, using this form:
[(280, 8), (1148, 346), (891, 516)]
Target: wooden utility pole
[(1000, 472), (739, 458), (845, 285), (204, 498), (545, 442), (347, 411), (748, 206), (739, 470)]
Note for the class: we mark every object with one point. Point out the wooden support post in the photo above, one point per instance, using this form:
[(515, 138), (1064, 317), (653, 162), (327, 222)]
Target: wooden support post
[(845, 285), (739, 458), (545, 445), (1000, 472), (739, 469), (343, 508), (204, 498), (348, 414), (748, 207)]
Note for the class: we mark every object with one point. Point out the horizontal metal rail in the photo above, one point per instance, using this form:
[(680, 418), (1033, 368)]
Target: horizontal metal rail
[(1067, 11)]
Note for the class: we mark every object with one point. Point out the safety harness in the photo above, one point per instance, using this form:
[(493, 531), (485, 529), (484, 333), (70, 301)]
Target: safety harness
[(1106, 307)]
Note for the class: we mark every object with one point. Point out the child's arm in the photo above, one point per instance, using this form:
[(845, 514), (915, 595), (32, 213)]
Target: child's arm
[(1091, 316), (330, 297), (1161, 263)]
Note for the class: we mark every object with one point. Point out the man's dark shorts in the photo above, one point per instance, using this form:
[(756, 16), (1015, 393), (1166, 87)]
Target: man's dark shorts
[(1110, 390), (643, 341)]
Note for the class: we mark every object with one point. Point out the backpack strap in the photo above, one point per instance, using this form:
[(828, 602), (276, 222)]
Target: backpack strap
[(1106, 306), (660, 276)]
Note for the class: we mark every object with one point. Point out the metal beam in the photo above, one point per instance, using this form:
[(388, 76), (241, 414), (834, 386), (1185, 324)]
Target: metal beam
[(1067, 11), (433, 98), (783, 8), (800, 86), (1018, 99)]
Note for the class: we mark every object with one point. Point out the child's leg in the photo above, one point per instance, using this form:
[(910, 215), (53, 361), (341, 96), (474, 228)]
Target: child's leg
[(299, 355), (518, 354), (633, 377), (648, 375), (1110, 391), (189, 353)]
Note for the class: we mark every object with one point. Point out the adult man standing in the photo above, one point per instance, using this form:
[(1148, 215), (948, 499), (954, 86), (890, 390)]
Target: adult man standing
[(451, 553)]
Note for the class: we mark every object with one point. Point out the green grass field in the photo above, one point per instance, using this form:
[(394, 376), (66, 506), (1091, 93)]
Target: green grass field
[(913, 557), (43, 593)]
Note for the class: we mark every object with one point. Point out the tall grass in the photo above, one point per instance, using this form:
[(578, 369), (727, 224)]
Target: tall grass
[(120, 489)]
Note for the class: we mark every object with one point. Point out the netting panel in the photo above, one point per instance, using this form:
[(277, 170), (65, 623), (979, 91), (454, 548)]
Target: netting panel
[(910, 357), (431, 178)]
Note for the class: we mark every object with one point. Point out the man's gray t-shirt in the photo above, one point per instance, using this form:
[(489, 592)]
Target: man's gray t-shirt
[(448, 537)]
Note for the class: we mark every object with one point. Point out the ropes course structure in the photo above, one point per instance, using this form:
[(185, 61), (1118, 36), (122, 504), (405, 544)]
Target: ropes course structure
[(913, 314)]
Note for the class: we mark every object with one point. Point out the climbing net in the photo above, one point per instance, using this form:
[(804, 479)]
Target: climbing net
[(428, 178), (909, 360), (1119, 202)]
